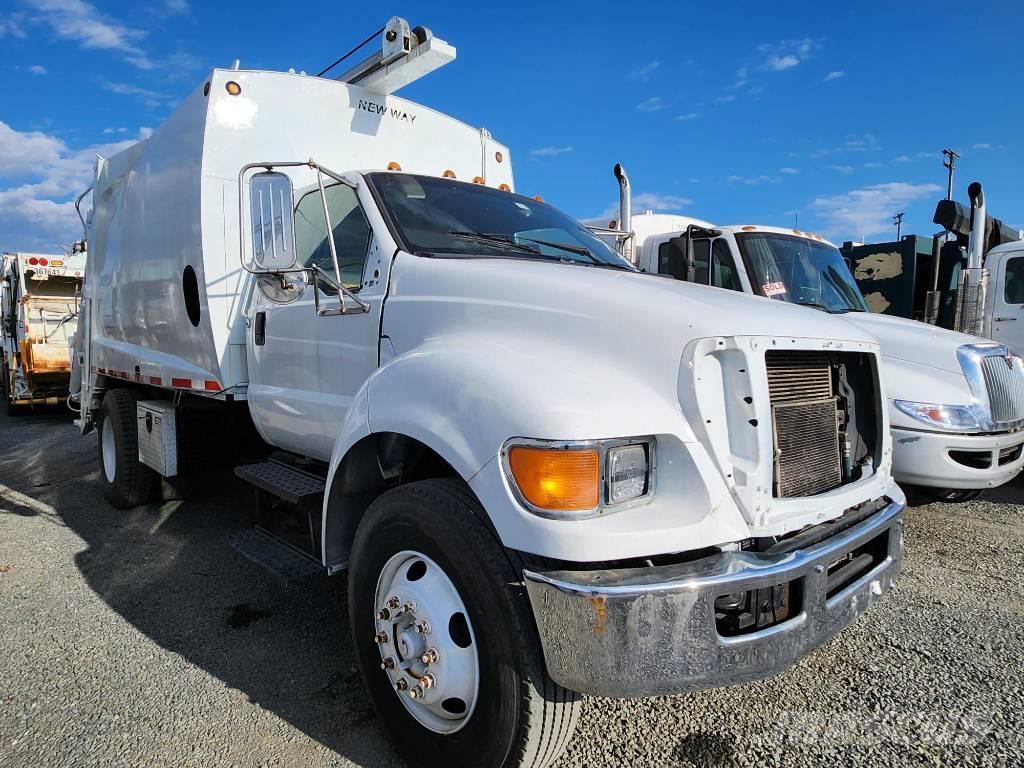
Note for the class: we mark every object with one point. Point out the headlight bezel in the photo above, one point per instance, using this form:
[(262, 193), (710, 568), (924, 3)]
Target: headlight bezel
[(959, 418), (605, 505)]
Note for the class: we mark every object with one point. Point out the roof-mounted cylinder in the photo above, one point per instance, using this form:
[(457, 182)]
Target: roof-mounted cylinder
[(625, 199), (406, 54)]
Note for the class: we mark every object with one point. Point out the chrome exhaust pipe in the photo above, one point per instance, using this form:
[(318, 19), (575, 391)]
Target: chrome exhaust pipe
[(976, 244), (625, 200)]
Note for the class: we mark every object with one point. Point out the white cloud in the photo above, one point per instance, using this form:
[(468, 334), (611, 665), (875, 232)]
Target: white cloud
[(981, 145), (742, 77), (645, 201), (11, 25), (901, 159), (868, 211), (779, 63), (45, 175), (37, 69), (687, 116), (786, 54), (834, 75), (115, 130), (549, 151), (753, 180), (652, 104), (873, 164), (789, 171), (79, 21), (842, 168), (725, 99), (176, 6), (147, 96), (644, 72)]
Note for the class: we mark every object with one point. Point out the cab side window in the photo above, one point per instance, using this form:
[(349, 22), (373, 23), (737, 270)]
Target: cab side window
[(723, 272), (672, 259), (351, 233), (1013, 287)]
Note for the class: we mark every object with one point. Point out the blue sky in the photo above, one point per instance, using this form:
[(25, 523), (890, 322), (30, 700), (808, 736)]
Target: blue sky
[(835, 112)]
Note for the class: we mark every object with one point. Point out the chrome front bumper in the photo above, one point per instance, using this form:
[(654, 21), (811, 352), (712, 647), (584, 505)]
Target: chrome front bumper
[(653, 631)]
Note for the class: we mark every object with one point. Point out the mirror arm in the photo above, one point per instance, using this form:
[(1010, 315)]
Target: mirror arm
[(330, 234), (315, 272)]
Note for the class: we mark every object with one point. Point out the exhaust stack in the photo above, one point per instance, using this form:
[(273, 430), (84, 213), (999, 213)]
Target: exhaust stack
[(625, 200), (970, 310)]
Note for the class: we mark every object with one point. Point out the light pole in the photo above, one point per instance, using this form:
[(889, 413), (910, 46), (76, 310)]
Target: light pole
[(898, 221), (948, 163)]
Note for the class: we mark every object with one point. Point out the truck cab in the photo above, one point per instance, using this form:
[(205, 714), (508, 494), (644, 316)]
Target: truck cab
[(956, 401), (38, 317)]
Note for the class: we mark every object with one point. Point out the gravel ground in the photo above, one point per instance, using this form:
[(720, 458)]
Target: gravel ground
[(142, 638)]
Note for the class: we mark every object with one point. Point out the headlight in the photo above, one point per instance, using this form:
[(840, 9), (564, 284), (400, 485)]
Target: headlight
[(945, 416), (576, 480)]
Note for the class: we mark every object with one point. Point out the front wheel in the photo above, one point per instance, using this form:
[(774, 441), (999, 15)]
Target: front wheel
[(445, 638)]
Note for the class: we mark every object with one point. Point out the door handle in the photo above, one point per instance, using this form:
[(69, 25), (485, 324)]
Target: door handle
[(259, 331), (1003, 319)]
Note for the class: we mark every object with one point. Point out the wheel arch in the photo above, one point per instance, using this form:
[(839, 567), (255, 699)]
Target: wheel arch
[(373, 464)]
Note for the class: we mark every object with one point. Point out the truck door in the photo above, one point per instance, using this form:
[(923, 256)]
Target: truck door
[(713, 263), (1007, 302)]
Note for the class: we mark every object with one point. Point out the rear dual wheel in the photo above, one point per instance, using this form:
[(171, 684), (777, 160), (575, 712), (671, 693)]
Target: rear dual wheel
[(125, 480), (445, 637)]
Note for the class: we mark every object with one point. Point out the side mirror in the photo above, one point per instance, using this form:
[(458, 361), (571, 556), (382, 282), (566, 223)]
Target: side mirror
[(271, 205)]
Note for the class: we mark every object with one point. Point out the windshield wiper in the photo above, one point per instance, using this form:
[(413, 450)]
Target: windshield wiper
[(500, 240), (582, 251), (816, 305)]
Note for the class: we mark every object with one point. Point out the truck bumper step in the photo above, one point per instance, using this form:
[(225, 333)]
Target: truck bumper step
[(288, 483), (276, 556)]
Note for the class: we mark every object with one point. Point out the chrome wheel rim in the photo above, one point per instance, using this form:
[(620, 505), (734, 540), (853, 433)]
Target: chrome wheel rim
[(426, 642), (109, 451)]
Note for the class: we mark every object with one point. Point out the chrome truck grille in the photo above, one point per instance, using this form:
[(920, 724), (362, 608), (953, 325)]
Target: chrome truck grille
[(1004, 382), (805, 423)]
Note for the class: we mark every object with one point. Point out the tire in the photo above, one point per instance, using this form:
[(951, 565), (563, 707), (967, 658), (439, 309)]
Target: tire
[(126, 481), (520, 716)]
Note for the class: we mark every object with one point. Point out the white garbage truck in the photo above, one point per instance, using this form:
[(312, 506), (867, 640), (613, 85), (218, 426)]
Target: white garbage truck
[(956, 401), (546, 474), (38, 317)]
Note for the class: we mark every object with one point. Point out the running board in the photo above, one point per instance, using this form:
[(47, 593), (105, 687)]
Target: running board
[(273, 555), (286, 482)]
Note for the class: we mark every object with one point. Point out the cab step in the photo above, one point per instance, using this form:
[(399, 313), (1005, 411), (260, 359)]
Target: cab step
[(274, 555), (286, 482)]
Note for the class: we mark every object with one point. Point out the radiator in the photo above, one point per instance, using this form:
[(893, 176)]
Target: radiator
[(805, 423)]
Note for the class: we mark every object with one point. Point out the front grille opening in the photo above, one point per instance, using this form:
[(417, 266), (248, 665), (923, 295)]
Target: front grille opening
[(743, 613), (1007, 455), (973, 459), (852, 566), (1004, 381), (825, 419)]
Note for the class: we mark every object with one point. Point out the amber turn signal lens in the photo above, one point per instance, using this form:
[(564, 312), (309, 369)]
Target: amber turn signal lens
[(393, 166), (233, 88), (449, 174), (561, 480)]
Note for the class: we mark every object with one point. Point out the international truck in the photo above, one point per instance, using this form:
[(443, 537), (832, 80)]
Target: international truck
[(38, 317), (956, 401), (537, 489)]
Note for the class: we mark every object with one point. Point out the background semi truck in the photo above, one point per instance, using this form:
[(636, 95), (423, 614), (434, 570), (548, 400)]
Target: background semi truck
[(956, 400), (969, 277), (536, 494), (38, 317)]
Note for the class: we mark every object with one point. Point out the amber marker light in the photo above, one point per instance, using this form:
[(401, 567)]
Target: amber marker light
[(565, 480), (393, 166), (449, 174), (504, 187), (233, 88), (478, 179), (498, 156)]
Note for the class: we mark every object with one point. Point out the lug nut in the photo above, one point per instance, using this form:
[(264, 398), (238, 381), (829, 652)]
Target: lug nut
[(416, 692), (402, 684), (394, 602), (431, 656), (381, 638), (426, 682), (383, 614), (423, 627), (409, 607), (388, 663)]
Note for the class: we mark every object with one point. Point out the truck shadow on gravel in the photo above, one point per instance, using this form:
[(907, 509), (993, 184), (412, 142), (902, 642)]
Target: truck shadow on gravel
[(168, 569)]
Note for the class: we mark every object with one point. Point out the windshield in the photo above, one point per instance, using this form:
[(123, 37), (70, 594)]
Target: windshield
[(799, 271), (444, 217)]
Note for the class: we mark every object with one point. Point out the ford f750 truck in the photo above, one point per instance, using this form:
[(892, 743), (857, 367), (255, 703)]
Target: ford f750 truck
[(537, 489), (956, 401)]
